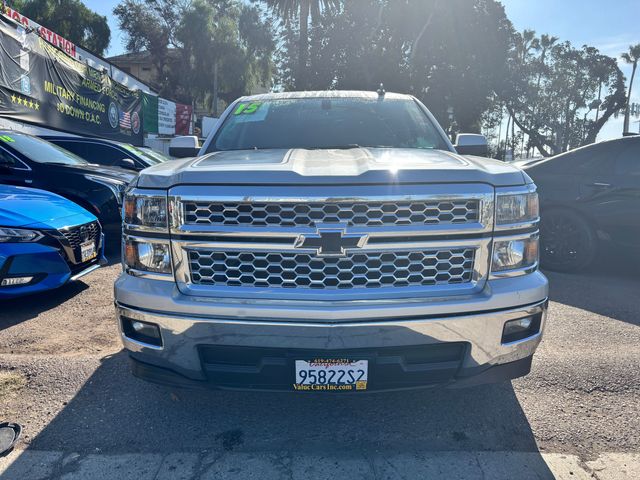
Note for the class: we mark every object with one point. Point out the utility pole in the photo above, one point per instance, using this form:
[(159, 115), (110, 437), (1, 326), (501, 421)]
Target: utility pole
[(215, 89)]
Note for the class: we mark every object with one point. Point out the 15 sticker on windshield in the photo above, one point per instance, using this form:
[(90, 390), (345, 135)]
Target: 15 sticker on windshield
[(7, 138), (251, 111)]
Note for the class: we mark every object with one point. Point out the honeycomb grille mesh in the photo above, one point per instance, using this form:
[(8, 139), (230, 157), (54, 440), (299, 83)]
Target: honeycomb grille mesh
[(365, 214), (76, 236), (353, 271)]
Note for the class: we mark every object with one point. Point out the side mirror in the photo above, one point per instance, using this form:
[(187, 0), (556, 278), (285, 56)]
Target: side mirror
[(185, 146), (128, 164), (471, 144)]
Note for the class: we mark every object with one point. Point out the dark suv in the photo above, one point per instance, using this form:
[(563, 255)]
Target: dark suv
[(29, 161), (589, 197), (108, 152)]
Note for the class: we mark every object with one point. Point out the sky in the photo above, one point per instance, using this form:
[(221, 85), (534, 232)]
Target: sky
[(609, 25)]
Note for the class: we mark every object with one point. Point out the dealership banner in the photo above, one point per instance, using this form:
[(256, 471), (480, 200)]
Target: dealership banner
[(41, 84)]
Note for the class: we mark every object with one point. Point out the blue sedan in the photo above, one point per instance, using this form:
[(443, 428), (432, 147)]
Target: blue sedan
[(45, 241)]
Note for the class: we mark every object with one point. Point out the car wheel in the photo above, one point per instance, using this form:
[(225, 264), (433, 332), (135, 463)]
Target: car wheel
[(568, 243)]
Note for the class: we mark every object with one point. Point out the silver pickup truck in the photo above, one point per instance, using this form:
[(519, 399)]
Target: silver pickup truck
[(331, 241)]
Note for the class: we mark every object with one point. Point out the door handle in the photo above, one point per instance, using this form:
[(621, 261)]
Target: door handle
[(601, 184)]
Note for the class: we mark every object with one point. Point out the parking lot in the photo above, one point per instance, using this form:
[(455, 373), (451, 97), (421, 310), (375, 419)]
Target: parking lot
[(64, 377)]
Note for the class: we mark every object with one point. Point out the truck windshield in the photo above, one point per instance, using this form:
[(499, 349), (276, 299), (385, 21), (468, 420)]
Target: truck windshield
[(41, 151), (314, 123)]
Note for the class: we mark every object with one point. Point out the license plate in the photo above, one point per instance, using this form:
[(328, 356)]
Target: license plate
[(330, 374), (88, 251)]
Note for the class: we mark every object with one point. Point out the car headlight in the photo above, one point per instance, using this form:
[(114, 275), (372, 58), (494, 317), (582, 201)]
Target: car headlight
[(118, 187), (147, 255), (516, 207), (516, 255), (146, 210), (18, 235)]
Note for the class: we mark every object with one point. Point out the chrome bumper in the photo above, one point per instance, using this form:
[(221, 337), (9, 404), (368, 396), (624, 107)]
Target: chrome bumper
[(186, 322)]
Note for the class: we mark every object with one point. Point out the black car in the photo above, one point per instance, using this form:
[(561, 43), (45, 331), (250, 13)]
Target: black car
[(589, 199), (108, 152), (29, 161)]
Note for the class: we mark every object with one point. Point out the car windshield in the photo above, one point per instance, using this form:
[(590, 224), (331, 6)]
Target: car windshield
[(314, 123), (41, 151), (144, 155), (159, 157)]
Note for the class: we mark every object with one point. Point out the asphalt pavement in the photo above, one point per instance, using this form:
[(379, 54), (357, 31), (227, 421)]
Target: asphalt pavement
[(64, 377)]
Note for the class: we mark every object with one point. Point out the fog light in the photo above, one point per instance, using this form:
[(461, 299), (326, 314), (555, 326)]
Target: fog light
[(13, 281), (142, 331), (521, 328)]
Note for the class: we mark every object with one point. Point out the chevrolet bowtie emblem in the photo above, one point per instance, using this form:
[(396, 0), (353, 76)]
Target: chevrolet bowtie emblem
[(330, 242)]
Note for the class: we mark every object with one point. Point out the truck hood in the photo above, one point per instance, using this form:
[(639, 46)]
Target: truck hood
[(332, 167), (30, 207)]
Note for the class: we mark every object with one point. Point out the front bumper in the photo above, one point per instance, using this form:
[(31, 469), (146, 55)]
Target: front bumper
[(422, 342), (44, 263)]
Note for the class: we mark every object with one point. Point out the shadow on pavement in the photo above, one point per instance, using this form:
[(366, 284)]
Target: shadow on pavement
[(115, 413), (17, 310), (610, 288)]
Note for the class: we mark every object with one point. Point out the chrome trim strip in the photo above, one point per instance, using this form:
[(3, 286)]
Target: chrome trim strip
[(84, 272), (167, 277), (507, 227), (508, 314), (26, 168)]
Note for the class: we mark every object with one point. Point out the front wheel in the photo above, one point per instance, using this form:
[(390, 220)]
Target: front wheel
[(568, 243)]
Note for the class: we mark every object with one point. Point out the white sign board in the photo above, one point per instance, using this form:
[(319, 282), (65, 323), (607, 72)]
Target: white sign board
[(166, 117)]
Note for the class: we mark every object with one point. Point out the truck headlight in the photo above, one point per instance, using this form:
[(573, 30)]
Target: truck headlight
[(146, 210), (514, 207), (18, 235), (147, 255), (517, 255)]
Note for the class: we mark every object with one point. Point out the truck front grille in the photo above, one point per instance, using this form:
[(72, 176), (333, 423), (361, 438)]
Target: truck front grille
[(353, 271), (362, 214)]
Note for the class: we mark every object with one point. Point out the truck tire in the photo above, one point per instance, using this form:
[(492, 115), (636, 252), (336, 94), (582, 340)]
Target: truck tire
[(568, 243)]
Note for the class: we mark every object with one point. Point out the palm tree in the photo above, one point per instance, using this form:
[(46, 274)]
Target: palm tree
[(632, 57), (303, 9)]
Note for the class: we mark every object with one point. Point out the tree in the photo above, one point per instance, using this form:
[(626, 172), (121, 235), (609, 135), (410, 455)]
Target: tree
[(71, 19), (202, 49), (632, 57), (302, 10), (412, 46), (552, 99)]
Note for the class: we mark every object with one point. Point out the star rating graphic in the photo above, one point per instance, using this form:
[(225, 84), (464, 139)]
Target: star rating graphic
[(26, 102)]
